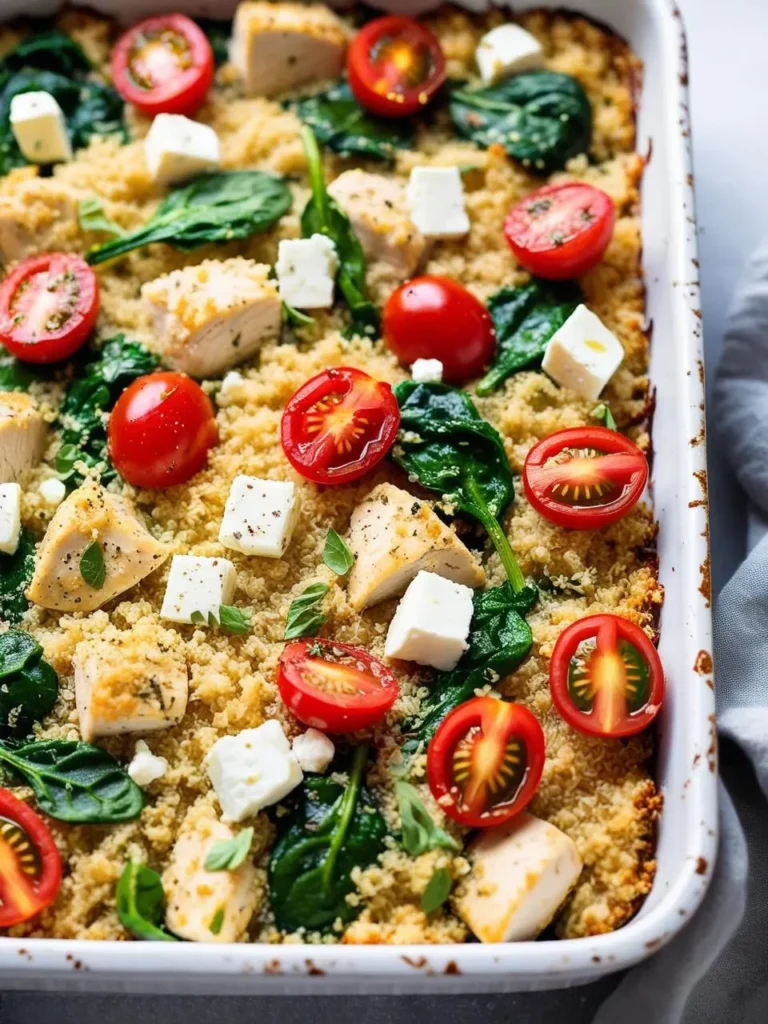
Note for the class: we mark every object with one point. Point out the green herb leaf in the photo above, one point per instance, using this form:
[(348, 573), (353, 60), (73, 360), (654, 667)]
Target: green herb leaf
[(420, 833), (304, 615), (91, 217), (66, 457), (141, 903), (92, 567), (437, 891), (29, 687), (524, 320), (217, 921), (542, 118), (229, 854), (16, 649), (15, 575), (234, 620), (602, 412), (14, 375), (296, 317), (337, 554), (75, 782)]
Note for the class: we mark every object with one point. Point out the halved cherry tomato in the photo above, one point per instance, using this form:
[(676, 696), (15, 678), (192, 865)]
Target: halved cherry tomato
[(437, 318), (395, 66), (485, 761), (30, 865), (48, 307), (160, 430), (335, 687), (561, 231), (163, 65), (605, 676), (338, 425), (585, 477)]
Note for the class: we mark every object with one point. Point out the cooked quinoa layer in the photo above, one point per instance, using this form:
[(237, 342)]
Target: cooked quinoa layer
[(598, 791)]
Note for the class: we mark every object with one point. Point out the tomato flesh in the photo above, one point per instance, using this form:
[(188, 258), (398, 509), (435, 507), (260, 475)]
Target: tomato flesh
[(606, 677), (335, 687), (160, 430), (484, 763), (30, 865), (561, 231), (338, 425), (395, 66), (585, 477), (48, 307), (437, 318), (163, 65)]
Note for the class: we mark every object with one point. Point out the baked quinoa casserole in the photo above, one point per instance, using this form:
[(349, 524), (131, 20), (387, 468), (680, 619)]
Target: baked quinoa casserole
[(328, 586)]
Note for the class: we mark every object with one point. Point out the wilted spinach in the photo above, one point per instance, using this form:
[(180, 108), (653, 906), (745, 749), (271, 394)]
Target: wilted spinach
[(14, 375), (15, 575), (525, 319), (91, 217), (341, 124), (28, 684), (141, 903), (542, 118), (330, 830)]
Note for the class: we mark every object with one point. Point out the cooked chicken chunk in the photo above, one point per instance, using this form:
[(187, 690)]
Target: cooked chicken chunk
[(134, 683), (22, 435), (39, 215), (207, 906), (379, 213), (129, 550), (393, 537), (277, 47), (213, 315)]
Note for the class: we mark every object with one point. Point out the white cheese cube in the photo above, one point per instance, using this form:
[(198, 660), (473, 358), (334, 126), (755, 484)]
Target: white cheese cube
[(521, 873), (306, 271), (177, 148), (436, 200), (259, 516), (10, 517), (313, 750), (252, 770), (197, 584), (427, 371), (431, 624), (53, 491), (229, 386), (38, 125), (583, 354), (506, 50), (145, 768)]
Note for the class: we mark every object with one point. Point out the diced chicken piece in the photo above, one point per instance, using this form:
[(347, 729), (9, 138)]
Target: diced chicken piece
[(521, 873), (277, 47), (22, 435), (393, 536), (213, 315), (92, 514), (135, 683), (379, 214), (39, 215), (207, 906)]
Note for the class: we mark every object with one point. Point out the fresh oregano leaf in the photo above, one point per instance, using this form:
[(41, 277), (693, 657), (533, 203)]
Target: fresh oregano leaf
[(437, 891), (602, 412), (304, 615), (92, 567), (229, 854), (420, 833), (337, 554)]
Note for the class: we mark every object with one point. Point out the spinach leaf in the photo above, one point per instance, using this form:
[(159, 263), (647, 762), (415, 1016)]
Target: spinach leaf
[(91, 217), (524, 320), (218, 34), (341, 124), (322, 215), (48, 51), (337, 554), (16, 649), (541, 118), (29, 686), (15, 575), (229, 854), (420, 833), (449, 448), (437, 891), (74, 781), (141, 903), (330, 830), (304, 615), (216, 207)]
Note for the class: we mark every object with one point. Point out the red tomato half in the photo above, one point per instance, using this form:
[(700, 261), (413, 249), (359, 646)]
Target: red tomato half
[(338, 425), (585, 477), (160, 430), (395, 66), (163, 65), (335, 687), (561, 231), (437, 318), (605, 676), (485, 761), (48, 307), (30, 865)]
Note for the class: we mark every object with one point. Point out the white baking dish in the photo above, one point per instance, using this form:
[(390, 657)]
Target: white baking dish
[(686, 769)]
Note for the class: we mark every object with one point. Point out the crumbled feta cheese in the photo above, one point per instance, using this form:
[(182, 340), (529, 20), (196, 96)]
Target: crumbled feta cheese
[(145, 768), (427, 371), (197, 584), (313, 750), (431, 624), (436, 199), (37, 123), (10, 517), (306, 271), (506, 50), (177, 148), (583, 354), (53, 491), (260, 516), (229, 385)]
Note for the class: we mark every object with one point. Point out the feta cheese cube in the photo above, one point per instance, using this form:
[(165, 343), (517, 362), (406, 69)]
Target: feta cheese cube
[(177, 148), (583, 354), (197, 584), (53, 491), (427, 371), (252, 770), (436, 200), (259, 516), (145, 768), (313, 750), (506, 50), (431, 624), (38, 125), (10, 517), (306, 271)]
